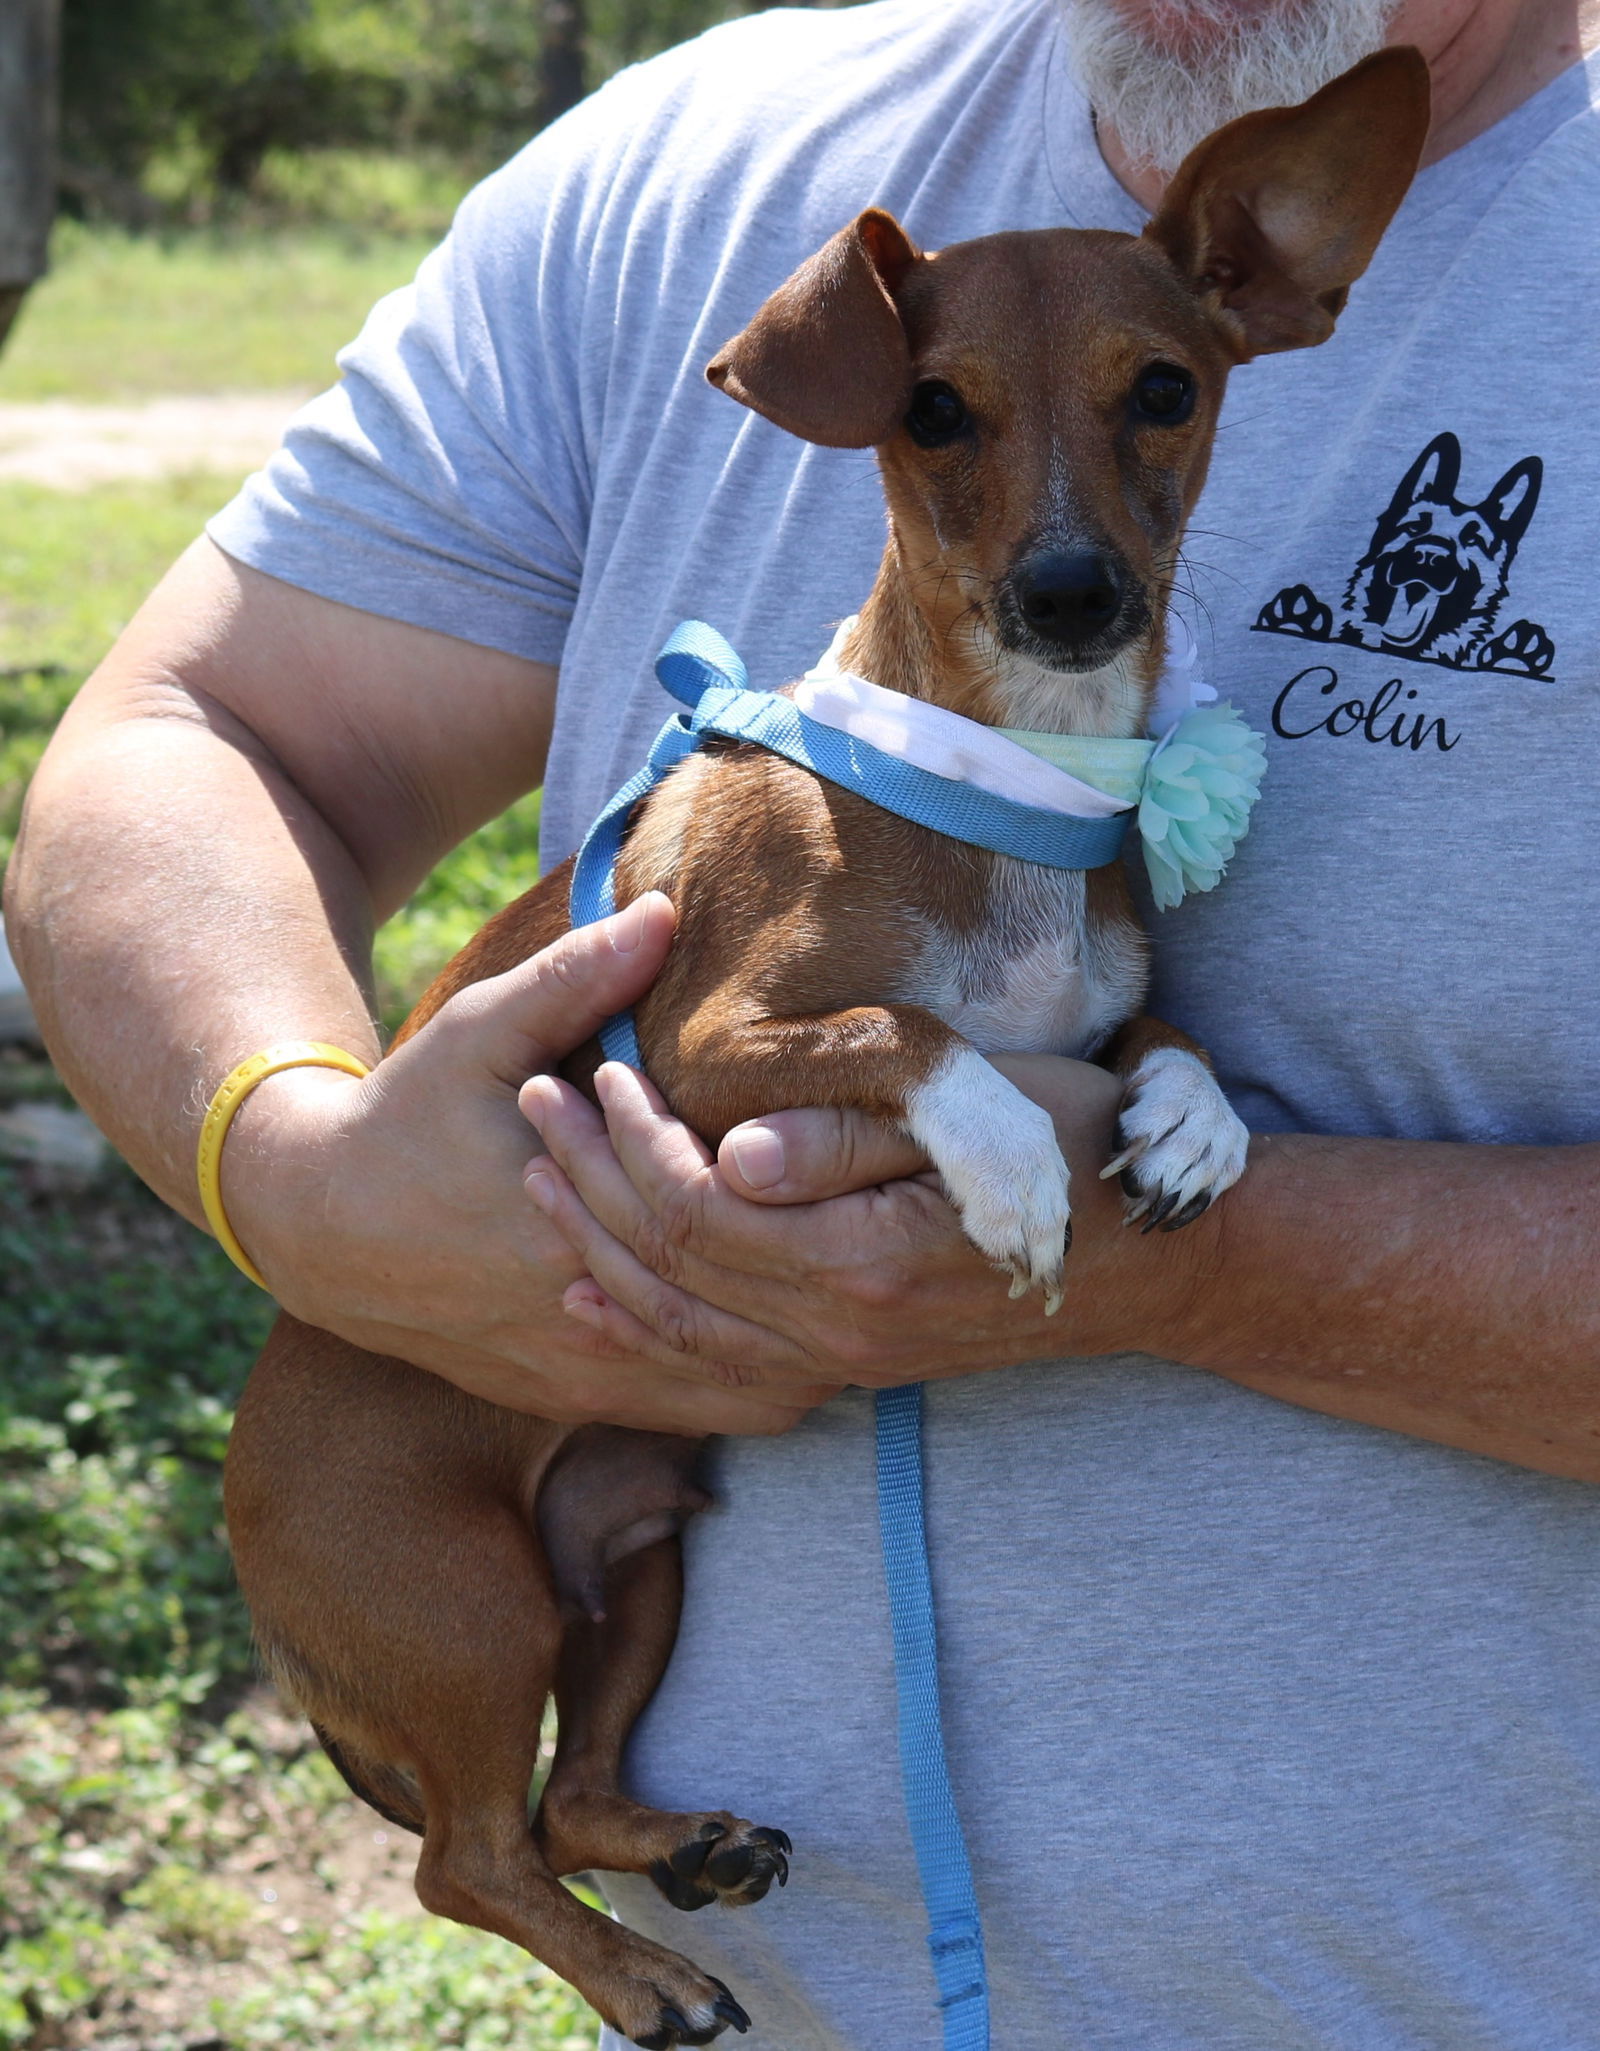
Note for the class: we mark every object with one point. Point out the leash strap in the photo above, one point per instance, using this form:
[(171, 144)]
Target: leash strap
[(955, 1934)]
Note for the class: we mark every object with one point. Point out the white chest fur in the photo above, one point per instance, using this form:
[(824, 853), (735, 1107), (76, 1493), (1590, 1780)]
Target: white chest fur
[(1033, 977)]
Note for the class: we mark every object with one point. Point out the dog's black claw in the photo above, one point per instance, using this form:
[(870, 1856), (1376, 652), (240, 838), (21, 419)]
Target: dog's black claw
[(1196, 1207), (1130, 1185), (728, 2008), (781, 1867), (1164, 1209), (780, 1838)]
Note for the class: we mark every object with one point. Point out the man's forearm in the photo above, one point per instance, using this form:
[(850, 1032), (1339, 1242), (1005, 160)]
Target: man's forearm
[(1450, 1292), (175, 905)]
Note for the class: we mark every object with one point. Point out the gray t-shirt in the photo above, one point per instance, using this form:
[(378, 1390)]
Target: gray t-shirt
[(1271, 1732)]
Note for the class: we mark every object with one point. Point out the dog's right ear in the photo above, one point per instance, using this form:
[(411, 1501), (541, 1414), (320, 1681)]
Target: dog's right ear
[(1272, 219), (827, 356)]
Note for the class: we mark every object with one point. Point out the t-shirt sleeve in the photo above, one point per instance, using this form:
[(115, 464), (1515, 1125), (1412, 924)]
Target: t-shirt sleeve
[(445, 480)]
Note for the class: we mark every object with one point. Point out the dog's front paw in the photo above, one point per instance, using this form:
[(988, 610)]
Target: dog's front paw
[(997, 1155), (1523, 646), (1296, 610), (1180, 1142)]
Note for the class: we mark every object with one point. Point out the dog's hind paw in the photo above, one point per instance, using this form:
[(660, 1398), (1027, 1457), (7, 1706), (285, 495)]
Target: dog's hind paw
[(1296, 610), (726, 1860), (996, 1153), (1180, 1142), (1523, 646), (696, 2013)]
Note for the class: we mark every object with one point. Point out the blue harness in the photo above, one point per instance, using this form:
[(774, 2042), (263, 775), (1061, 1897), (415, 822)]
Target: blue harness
[(700, 670)]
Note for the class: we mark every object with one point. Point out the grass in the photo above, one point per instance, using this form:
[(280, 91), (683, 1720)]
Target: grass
[(129, 317), (182, 1866)]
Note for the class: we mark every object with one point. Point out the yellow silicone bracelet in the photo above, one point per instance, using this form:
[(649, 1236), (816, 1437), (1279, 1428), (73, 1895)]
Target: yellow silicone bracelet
[(220, 1115)]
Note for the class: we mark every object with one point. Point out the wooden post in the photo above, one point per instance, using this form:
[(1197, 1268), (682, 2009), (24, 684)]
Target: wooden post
[(29, 47)]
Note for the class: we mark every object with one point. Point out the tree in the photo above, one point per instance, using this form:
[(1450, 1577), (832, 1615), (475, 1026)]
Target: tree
[(563, 47), (28, 47)]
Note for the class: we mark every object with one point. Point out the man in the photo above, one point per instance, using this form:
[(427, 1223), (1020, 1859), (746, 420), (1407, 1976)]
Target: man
[(1271, 1721)]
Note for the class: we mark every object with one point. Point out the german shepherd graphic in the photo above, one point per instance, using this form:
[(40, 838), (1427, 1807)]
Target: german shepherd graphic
[(1435, 574)]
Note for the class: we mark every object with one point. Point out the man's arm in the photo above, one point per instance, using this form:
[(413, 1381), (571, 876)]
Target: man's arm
[(254, 778), (1451, 1292), (1448, 1291)]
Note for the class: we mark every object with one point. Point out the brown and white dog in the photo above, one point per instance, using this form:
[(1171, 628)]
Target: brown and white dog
[(422, 1567)]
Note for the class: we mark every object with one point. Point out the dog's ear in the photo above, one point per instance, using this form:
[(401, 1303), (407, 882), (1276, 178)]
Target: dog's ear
[(1433, 476), (1509, 507), (827, 356), (1273, 218)]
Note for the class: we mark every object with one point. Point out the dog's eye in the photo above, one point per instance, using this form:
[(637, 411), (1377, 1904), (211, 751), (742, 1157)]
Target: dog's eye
[(938, 414), (1164, 392)]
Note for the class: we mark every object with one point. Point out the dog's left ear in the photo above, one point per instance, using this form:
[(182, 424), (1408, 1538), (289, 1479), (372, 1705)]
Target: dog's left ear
[(1273, 218), (827, 357)]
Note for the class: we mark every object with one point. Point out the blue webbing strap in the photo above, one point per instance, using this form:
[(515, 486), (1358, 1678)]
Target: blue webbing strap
[(700, 669), (955, 1934)]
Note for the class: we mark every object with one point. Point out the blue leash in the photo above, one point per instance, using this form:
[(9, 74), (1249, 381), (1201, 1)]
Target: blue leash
[(700, 670), (955, 1933)]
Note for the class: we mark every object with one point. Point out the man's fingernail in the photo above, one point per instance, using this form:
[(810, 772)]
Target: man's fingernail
[(541, 1186), (628, 930), (757, 1154)]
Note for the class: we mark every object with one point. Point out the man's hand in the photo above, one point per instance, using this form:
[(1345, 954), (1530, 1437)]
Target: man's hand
[(815, 1243), (389, 1210)]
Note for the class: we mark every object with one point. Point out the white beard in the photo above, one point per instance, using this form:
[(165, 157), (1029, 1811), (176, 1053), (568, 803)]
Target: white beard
[(1181, 68)]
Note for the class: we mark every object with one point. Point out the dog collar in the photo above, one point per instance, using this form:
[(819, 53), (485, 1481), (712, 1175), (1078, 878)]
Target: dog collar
[(1192, 783)]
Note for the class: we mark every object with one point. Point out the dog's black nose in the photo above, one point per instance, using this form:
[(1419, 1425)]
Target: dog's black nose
[(1068, 599)]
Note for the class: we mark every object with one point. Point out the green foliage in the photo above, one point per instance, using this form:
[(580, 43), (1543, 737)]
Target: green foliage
[(392, 1985), (126, 1337), (193, 1909), (181, 104), (135, 1839), (110, 1823)]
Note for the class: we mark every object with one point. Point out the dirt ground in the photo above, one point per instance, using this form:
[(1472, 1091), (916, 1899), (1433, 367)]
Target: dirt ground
[(70, 446)]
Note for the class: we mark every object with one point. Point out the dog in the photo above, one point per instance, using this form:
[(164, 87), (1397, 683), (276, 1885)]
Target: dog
[(419, 1565)]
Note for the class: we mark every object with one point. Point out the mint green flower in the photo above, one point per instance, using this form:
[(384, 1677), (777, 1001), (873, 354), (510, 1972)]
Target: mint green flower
[(1198, 790)]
